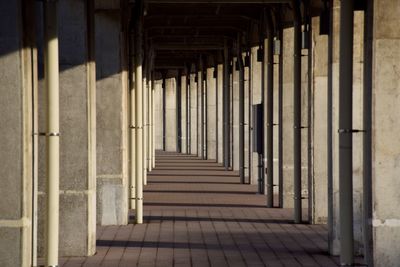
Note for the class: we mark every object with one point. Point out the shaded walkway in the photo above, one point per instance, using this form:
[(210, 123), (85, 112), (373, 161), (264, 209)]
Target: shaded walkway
[(197, 214)]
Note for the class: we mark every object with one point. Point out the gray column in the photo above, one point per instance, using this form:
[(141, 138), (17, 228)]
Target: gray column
[(17, 87), (78, 135), (170, 115), (235, 115), (188, 113), (247, 119), (183, 113), (287, 50), (319, 185), (178, 113), (220, 122), (112, 113), (357, 117), (345, 133), (164, 111), (158, 114), (269, 105), (226, 110), (204, 113), (212, 115), (193, 114), (384, 132), (297, 177), (367, 209), (279, 116), (256, 98), (199, 84), (199, 111), (287, 121), (241, 115)]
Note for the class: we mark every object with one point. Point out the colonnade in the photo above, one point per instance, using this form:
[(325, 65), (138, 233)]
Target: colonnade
[(303, 104)]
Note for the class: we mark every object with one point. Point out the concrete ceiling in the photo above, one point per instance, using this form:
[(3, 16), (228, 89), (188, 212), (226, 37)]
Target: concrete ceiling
[(182, 31)]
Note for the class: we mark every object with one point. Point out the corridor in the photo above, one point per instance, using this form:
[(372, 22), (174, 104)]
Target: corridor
[(199, 133), (198, 214)]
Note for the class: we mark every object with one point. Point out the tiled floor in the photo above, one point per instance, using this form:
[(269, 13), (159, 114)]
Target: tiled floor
[(197, 214)]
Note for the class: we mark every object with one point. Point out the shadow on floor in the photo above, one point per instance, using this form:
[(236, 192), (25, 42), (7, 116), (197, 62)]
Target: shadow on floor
[(200, 192), (191, 175), (213, 205), (208, 219), (190, 182), (188, 168)]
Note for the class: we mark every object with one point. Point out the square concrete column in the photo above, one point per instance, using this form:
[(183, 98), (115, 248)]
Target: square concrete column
[(357, 124), (319, 185), (200, 114), (193, 114), (77, 133), (146, 89), (255, 84), (170, 116), (220, 89), (288, 190), (334, 242), (358, 91), (247, 132), (211, 115), (385, 133), (231, 115), (287, 50), (235, 116), (183, 114), (158, 114), (306, 143), (18, 83), (112, 114), (275, 121)]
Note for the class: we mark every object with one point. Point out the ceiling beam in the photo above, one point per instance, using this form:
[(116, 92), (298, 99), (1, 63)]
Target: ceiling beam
[(199, 16), (188, 40), (220, 27), (168, 67), (183, 47), (190, 36), (192, 10), (214, 23), (228, 32)]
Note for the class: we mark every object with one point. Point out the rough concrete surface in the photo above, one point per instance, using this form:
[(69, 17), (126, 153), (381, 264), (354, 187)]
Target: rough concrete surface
[(385, 129), (170, 116), (211, 115)]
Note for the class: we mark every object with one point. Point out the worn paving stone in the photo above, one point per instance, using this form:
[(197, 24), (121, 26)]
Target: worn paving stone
[(198, 214)]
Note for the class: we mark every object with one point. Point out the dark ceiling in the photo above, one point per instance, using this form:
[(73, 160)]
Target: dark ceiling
[(181, 32)]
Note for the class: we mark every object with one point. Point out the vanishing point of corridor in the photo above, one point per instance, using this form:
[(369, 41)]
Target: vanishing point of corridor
[(198, 214), (199, 133)]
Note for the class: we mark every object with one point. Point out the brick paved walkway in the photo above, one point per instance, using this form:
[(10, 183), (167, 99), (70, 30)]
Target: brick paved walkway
[(197, 214)]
